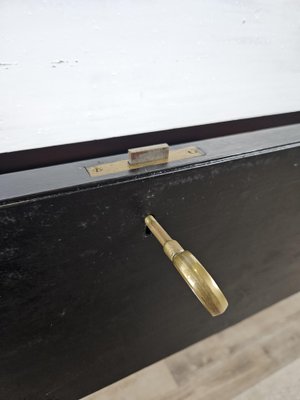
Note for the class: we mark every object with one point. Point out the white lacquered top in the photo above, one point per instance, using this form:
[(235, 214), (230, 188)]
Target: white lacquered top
[(77, 71)]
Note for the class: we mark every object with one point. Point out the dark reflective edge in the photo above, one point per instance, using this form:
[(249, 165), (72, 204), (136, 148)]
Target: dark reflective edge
[(46, 156)]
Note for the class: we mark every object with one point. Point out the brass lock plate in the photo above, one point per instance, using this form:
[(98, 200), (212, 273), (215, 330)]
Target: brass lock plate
[(151, 156)]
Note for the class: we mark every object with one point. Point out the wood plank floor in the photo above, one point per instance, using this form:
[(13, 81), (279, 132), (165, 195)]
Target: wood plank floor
[(257, 359)]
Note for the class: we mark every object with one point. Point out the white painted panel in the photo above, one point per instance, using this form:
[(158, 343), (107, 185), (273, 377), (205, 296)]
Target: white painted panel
[(80, 70)]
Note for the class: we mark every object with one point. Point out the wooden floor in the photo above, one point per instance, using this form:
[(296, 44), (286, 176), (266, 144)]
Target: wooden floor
[(257, 359)]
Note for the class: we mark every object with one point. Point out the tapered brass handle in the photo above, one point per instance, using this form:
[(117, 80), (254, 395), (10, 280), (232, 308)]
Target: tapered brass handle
[(192, 271)]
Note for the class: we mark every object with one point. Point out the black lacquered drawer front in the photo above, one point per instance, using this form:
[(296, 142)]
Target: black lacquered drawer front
[(87, 296)]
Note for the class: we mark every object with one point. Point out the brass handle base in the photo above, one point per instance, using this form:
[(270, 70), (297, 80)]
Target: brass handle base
[(192, 271)]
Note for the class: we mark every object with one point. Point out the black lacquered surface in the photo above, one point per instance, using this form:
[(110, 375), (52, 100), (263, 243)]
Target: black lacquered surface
[(88, 298)]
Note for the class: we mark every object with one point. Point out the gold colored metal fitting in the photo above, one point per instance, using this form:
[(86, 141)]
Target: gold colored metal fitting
[(191, 270), (145, 157)]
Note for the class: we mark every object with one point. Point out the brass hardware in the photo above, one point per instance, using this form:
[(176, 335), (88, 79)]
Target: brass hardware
[(191, 270), (124, 165), (146, 154)]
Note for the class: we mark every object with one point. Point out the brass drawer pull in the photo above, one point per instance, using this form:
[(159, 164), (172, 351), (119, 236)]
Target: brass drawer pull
[(192, 271)]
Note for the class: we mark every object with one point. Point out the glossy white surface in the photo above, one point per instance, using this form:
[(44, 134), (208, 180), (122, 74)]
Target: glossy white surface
[(80, 70)]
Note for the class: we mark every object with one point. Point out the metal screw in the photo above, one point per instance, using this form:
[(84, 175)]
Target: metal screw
[(192, 151)]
